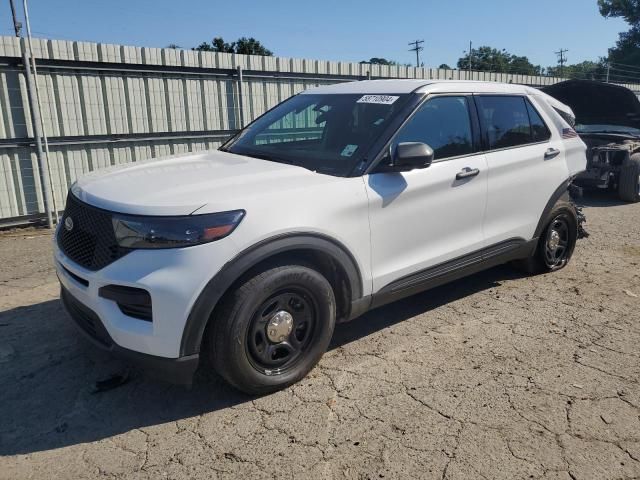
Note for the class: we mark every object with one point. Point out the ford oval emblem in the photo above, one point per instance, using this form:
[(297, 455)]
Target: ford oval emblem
[(68, 224)]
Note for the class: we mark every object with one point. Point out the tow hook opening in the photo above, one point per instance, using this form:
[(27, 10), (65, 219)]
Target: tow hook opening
[(133, 302)]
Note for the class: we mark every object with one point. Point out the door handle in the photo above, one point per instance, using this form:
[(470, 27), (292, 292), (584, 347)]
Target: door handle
[(551, 153), (467, 173)]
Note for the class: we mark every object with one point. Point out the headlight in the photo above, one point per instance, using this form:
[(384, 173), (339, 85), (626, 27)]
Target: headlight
[(173, 232)]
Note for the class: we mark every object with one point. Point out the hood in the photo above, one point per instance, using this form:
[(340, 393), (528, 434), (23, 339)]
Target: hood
[(597, 103), (185, 184)]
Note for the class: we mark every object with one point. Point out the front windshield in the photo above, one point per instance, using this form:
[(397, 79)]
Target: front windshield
[(607, 129), (328, 133)]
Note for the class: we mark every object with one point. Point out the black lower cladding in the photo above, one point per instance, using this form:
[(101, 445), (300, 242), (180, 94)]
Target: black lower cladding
[(175, 370), (86, 235), (503, 252), (87, 320)]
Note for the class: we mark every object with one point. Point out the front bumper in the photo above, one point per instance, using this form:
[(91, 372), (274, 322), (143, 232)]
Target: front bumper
[(175, 370), (173, 278)]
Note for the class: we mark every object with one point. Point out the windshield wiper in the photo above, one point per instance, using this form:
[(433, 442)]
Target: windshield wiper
[(269, 158), (264, 156)]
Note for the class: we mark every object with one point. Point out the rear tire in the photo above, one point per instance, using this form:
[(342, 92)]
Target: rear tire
[(629, 182), (556, 243), (273, 329)]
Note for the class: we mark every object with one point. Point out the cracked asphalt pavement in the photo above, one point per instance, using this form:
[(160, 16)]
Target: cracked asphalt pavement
[(497, 376)]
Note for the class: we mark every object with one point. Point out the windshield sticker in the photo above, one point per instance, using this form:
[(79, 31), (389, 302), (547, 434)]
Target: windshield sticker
[(379, 99), (349, 150)]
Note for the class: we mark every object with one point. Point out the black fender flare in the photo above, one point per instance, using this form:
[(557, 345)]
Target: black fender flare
[(245, 260), (559, 193)]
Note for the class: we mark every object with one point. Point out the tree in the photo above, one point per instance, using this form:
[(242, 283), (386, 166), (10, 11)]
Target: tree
[(627, 9), (205, 47), (219, 45), (586, 70), (627, 49), (244, 45), (251, 46), (380, 61), (524, 66), (444, 66), (174, 46), (490, 59)]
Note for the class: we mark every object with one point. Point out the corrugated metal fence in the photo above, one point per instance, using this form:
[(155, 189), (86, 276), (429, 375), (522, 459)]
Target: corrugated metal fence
[(105, 104)]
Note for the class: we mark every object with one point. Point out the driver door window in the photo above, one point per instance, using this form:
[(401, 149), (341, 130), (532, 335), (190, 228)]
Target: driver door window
[(444, 124)]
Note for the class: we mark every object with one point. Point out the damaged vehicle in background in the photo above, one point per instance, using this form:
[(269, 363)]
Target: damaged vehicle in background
[(607, 118)]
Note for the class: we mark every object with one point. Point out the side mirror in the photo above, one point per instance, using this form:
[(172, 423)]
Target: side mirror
[(411, 155)]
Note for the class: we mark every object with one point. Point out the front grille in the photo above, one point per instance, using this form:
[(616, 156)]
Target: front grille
[(86, 319), (88, 239)]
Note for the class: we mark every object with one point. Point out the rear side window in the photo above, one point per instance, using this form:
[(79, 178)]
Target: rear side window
[(511, 121), (444, 124)]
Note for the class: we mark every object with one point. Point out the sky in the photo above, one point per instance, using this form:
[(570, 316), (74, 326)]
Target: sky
[(348, 30)]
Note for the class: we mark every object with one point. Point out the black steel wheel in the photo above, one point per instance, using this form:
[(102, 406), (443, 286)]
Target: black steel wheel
[(281, 330), (557, 244), (271, 330)]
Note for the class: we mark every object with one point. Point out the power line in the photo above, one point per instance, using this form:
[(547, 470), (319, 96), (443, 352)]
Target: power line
[(625, 65), (636, 72), (417, 47), (623, 78)]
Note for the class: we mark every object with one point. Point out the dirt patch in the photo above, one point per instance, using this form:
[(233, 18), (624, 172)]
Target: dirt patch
[(632, 251)]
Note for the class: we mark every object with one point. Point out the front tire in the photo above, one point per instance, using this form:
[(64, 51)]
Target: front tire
[(273, 329), (629, 182)]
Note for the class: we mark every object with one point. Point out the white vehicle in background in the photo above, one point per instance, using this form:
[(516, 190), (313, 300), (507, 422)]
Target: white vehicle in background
[(339, 200)]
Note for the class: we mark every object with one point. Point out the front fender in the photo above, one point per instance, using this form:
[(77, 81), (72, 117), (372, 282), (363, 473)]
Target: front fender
[(244, 261)]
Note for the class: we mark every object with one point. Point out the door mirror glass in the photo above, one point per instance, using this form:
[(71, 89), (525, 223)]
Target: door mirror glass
[(411, 155)]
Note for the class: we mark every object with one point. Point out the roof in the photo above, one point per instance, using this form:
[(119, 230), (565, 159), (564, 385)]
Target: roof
[(422, 86)]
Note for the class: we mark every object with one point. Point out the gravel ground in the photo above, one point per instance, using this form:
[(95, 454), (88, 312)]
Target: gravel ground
[(494, 376)]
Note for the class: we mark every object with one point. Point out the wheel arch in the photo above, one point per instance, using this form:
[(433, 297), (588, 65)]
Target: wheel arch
[(561, 193), (324, 253)]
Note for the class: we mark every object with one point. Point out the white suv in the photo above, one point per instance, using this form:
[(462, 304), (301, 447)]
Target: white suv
[(336, 201)]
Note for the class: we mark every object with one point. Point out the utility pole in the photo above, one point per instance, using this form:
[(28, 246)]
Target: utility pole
[(417, 47), (35, 119), (44, 130), (562, 60), (608, 71), (470, 57), (17, 26)]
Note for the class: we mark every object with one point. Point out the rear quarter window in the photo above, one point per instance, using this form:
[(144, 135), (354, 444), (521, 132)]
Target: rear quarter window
[(539, 130)]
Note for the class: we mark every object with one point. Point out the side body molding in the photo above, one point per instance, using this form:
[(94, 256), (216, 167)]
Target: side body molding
[(245, 260)]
